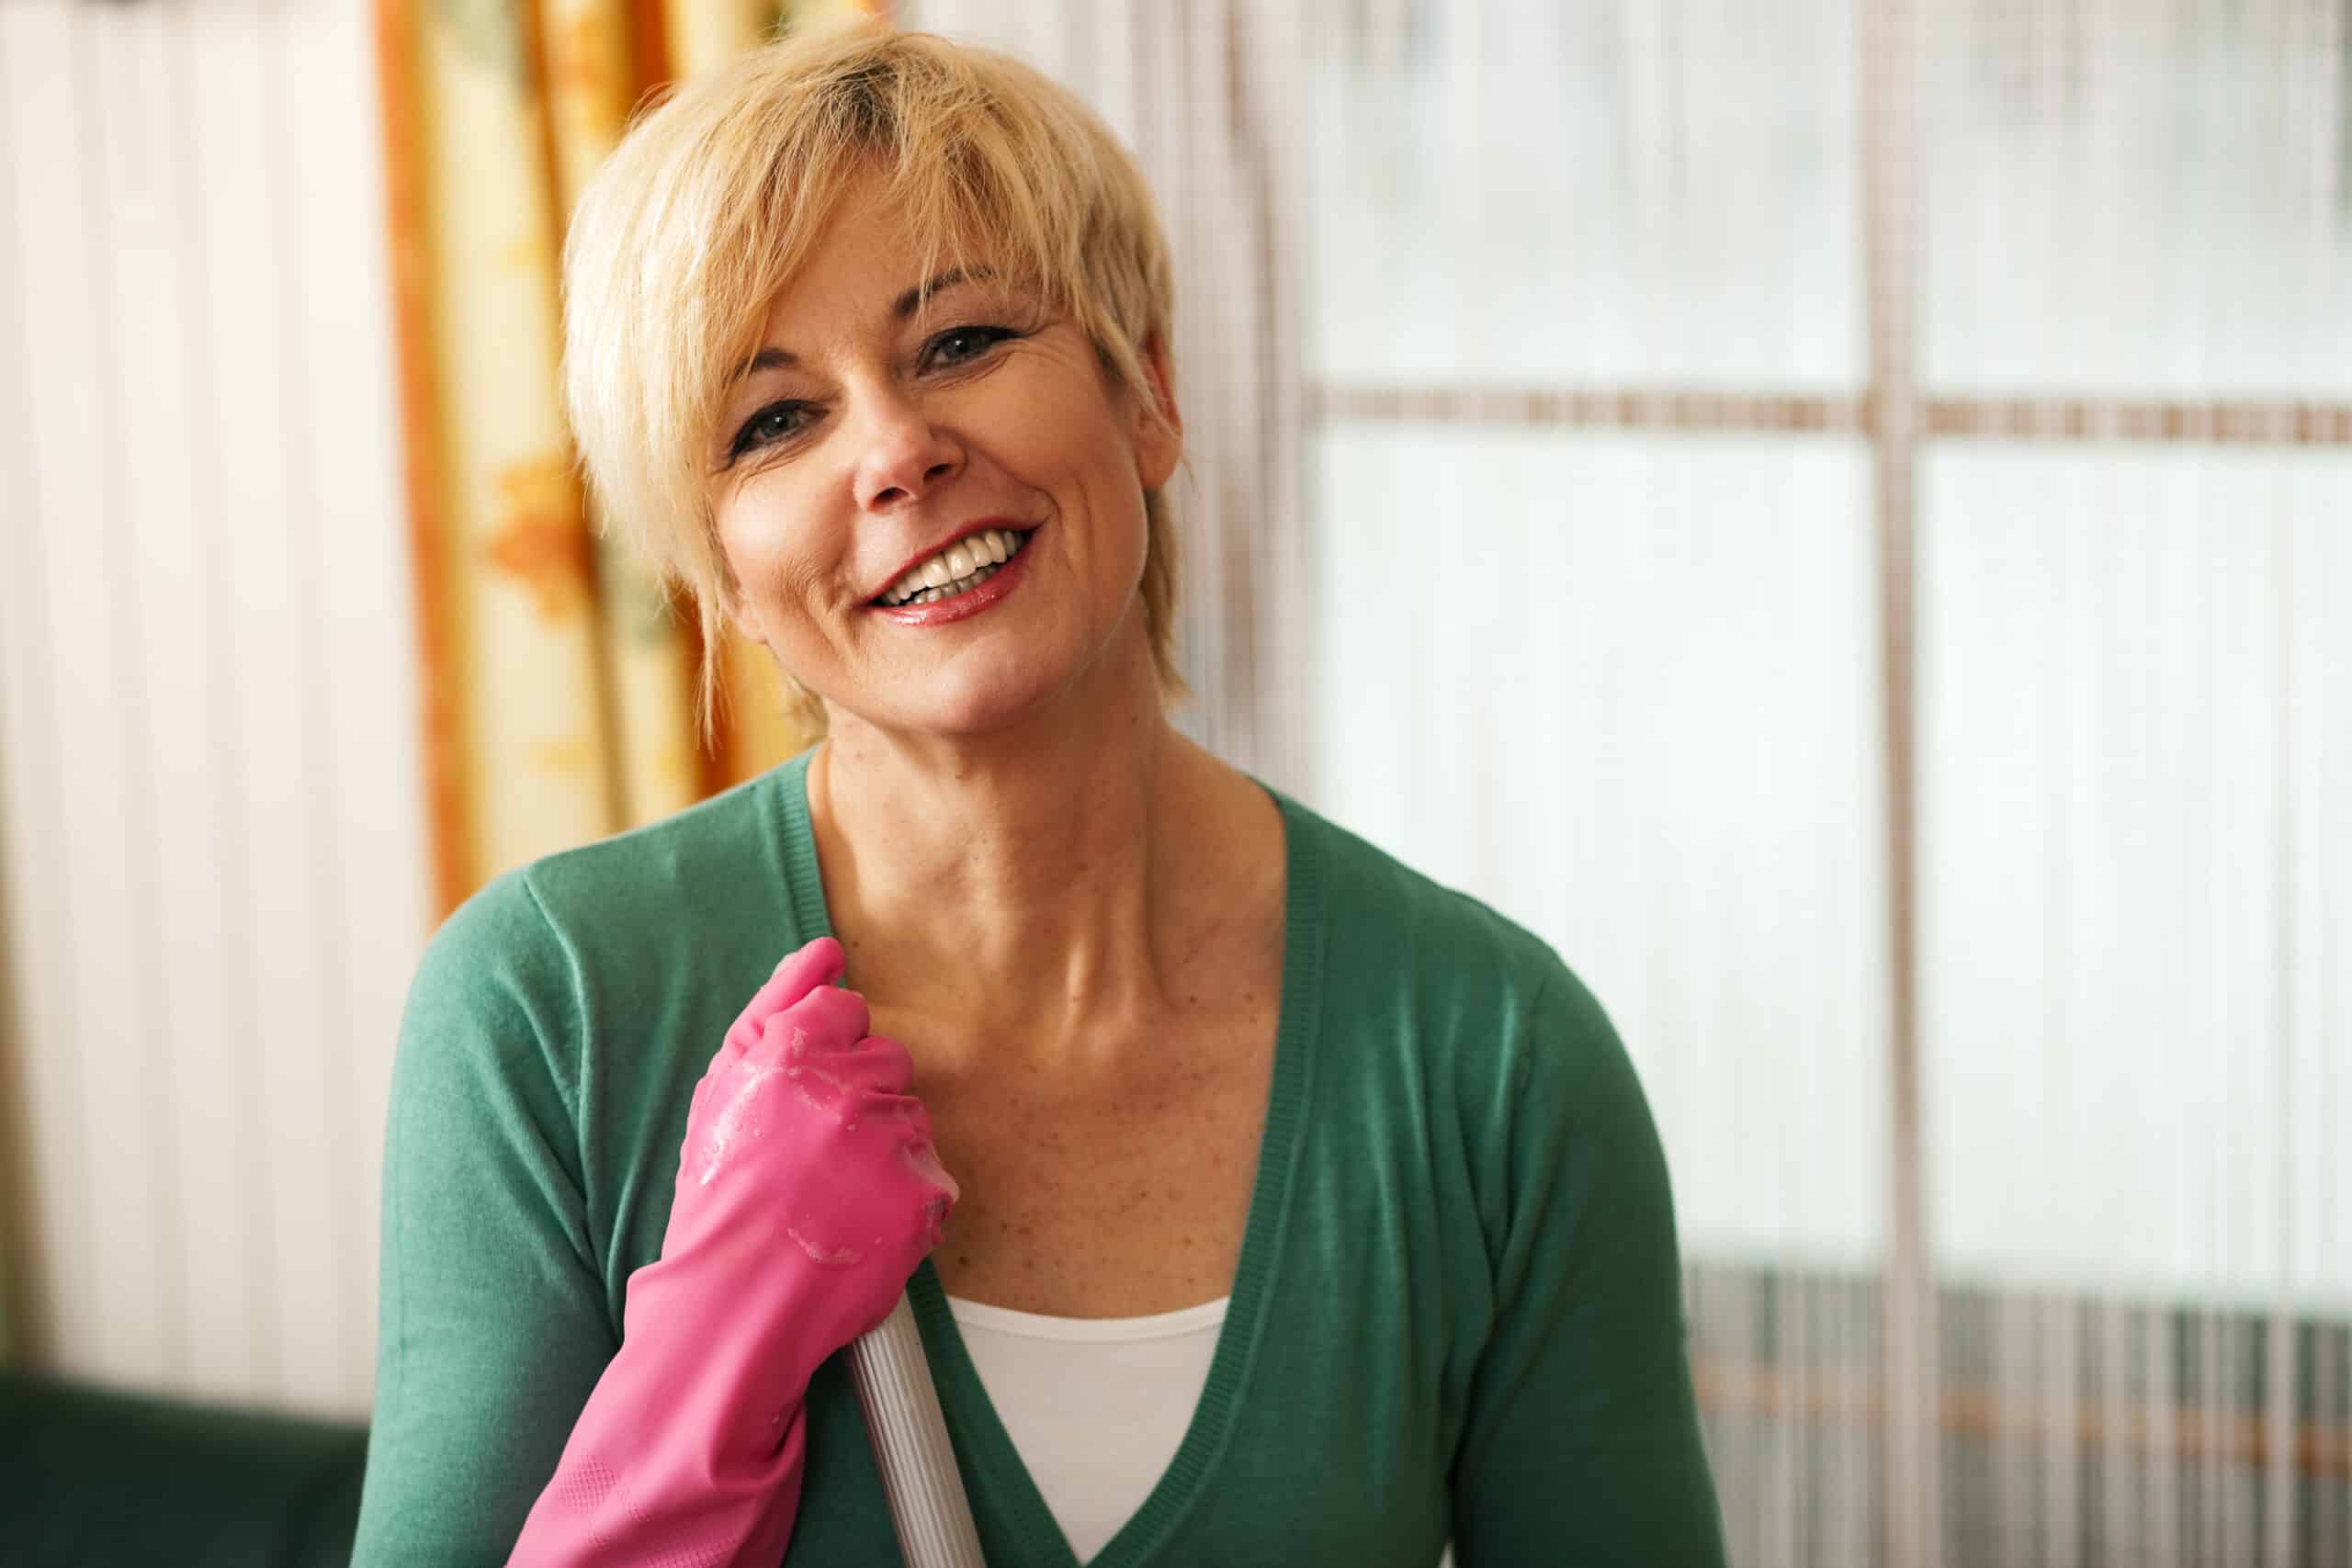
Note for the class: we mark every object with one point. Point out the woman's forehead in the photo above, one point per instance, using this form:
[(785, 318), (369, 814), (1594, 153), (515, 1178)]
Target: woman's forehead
[(872, 271)]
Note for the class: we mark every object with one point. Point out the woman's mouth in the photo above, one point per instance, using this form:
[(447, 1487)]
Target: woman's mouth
[(954, 572), (971, 580)]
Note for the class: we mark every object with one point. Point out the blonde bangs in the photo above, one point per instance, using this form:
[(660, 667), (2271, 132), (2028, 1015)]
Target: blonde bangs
[(709, 206)]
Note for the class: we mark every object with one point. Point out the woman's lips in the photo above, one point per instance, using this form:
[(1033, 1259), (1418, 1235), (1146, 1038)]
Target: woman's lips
[(964, 606), (1001, 525)]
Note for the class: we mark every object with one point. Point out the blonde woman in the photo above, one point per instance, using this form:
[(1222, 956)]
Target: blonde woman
[(1303, 1211)]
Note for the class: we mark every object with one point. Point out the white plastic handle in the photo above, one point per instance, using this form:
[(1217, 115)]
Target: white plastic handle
[(911, 1447)]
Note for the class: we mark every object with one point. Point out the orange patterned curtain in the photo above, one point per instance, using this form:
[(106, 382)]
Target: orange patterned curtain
[(556, 678)]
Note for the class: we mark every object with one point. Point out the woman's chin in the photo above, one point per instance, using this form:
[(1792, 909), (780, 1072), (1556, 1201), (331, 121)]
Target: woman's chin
[(1006, 683), (967, 709)]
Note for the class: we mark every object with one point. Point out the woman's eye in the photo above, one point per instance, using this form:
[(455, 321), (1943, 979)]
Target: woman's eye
[(770, 424), (959, 346)]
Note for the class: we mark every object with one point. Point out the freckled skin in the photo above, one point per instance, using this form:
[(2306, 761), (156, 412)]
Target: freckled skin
[(1115, 1199)]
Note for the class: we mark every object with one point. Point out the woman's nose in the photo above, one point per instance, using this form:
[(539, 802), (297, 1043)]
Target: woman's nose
[(902, 455)]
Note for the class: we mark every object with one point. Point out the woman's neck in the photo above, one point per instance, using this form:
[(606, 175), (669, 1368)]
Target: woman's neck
[(1051, 885)]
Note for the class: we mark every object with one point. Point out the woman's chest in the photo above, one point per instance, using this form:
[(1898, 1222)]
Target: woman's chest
[(1118, 1199)]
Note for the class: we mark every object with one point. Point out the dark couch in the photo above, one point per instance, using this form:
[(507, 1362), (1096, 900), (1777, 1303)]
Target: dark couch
[(94, 1479)]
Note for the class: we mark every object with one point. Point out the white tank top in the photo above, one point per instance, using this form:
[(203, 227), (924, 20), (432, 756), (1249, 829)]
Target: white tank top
[(1095, 1406)]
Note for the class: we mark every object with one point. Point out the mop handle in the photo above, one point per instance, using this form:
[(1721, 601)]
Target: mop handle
[(911, 1447)]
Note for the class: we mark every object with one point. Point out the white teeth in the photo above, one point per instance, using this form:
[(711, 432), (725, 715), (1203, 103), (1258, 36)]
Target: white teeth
[(961, 585), (958, 569)]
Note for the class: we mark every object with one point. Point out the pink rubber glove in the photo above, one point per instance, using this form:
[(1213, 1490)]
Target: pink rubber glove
[(808, 1192)]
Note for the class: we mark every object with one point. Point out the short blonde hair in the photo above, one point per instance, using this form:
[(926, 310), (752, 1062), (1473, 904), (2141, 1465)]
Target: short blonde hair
[(686, 233)]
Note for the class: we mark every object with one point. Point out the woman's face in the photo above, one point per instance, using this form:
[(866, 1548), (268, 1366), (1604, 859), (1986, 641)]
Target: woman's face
[(889, 417)]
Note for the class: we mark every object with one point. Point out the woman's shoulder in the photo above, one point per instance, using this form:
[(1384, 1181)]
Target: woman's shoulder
[(705, 900), (1477, 998), (676, 864), (1383, 916), (669, 877)]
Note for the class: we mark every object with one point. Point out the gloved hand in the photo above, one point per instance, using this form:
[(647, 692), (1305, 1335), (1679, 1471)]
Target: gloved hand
[(808, 1192)]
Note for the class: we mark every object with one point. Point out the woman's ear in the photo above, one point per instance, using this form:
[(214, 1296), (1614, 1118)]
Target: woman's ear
[(1160, 430)]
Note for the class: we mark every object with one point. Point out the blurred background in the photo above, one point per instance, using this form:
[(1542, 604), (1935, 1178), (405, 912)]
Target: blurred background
[(1838, 513)]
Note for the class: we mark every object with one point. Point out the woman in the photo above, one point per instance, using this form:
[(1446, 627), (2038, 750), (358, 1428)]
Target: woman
[(1304, 1211)]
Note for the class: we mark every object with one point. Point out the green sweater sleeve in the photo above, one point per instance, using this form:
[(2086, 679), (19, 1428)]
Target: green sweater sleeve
[(1581, 1441), (493, 1324)]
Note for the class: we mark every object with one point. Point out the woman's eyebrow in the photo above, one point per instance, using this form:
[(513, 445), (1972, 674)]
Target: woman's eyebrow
[(906, 305), (914, 299)]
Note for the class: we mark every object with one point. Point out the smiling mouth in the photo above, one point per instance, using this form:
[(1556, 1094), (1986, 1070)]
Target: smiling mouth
[(955, 570)]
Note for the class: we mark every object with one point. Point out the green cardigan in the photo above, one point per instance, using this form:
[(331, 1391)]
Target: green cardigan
[(1457, 1311)]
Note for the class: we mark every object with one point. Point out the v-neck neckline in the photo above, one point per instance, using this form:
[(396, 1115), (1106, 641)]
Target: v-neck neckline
[(992, 1466)]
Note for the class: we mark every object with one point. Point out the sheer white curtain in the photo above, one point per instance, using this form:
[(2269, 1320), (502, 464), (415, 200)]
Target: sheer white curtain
[(2136, 687), (1548, 508), (1617, 675)]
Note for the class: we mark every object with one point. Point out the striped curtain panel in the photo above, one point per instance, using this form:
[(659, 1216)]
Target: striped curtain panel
[(556, 677), (212, 860)]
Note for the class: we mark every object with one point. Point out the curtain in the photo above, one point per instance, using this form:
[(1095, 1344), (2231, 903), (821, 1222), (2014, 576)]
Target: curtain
[(211, 865), (557, 677), (1835, 515)]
